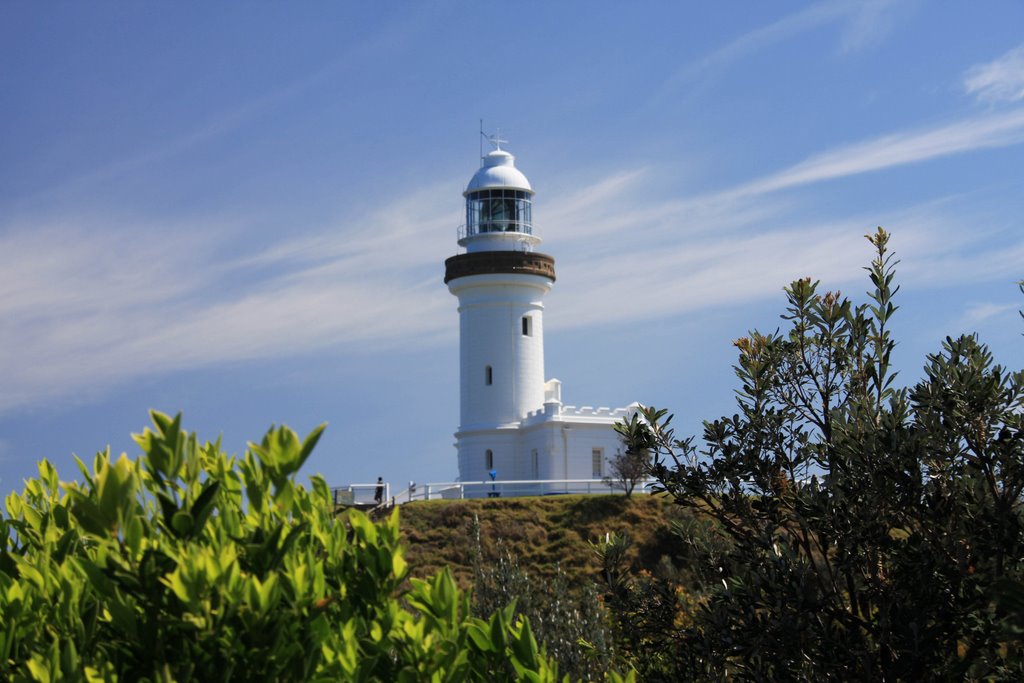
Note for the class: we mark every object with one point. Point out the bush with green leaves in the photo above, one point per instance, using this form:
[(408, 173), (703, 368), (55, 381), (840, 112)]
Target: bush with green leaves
[(645, 610), (190, 564), (628, 469), (569, 619), (867, 532)]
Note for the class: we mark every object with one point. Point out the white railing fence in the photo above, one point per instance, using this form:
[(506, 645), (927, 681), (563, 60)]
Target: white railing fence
[(363, 494), (359, 494)]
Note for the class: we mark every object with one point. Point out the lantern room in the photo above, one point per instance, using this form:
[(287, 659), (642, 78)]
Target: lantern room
[(499, 207)]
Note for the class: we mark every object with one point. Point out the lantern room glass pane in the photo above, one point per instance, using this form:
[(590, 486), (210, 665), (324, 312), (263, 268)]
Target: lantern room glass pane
[(498, 210)]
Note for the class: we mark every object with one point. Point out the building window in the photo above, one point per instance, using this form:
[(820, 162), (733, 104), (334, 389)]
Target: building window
[(527, 326), (535, 463), (489, 459), (488, 376), (597, 463)]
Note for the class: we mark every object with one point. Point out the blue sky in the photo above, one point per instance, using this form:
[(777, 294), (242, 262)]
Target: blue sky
[(242, 211)]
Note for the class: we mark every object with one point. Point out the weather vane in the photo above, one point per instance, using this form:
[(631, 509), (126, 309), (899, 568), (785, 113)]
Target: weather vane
[(495, 139)]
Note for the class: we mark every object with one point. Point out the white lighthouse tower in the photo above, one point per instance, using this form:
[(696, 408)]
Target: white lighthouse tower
[(500, 282), (512, 422)]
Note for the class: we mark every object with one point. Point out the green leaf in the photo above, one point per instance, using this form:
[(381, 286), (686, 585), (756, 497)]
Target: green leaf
[(499, 625), (398, 564), (177, 585), (480, 637), (525, 645), (133, 534), (203, 505), (307, 447)]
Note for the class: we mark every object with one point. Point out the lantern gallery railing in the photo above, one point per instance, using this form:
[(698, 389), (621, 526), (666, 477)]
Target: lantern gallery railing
[(494, 226)]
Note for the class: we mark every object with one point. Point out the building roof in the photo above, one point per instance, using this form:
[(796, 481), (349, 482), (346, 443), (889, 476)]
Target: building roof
[(499, 170)]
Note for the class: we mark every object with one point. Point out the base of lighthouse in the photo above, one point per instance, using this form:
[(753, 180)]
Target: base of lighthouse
[(553, 447)]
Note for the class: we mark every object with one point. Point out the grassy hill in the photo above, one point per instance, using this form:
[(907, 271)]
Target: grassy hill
[(542, 531)]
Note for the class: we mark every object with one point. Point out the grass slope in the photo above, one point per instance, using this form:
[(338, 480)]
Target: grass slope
[(542, 531)]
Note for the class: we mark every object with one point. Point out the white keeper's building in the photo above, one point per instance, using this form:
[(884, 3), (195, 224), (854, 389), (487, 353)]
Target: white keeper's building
[(512, 421)]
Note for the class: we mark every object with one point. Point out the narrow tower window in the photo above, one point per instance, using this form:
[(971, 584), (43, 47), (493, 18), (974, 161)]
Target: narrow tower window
[(489, 459), (527, 326), (535, 463), (488, 376)]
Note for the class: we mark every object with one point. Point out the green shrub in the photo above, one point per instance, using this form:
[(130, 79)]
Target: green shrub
[(863, 531), (189, 564)]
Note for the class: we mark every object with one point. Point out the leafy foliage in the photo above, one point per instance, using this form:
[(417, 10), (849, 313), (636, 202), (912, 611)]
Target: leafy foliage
[(189, 564), (571, 623), (861, 531), (630, 467), (646, 611)]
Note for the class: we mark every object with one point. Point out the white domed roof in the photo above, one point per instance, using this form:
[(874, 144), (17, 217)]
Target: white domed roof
[(499, 170)]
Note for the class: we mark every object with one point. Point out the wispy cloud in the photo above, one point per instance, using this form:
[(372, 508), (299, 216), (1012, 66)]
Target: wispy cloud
[(895, 150), (85, 306), (869, 23), (743, 242), (864, 24), (1001, 80), (977, 313), (90, 309), (676, 268)]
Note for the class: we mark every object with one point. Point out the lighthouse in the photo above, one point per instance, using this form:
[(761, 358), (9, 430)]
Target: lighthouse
[(512, 421)]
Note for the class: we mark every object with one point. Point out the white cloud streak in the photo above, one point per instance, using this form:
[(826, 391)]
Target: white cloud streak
[(753, 247), (678, 270), (87, 306), (865, 23), (984, 311), (1001, 80), (869, 23), (84, 306), (895, 150)]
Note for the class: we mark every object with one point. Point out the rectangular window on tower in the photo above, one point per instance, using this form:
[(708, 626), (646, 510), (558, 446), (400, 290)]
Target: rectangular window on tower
[(527, 326), (534, 463), (597, 462), (488, 376)]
